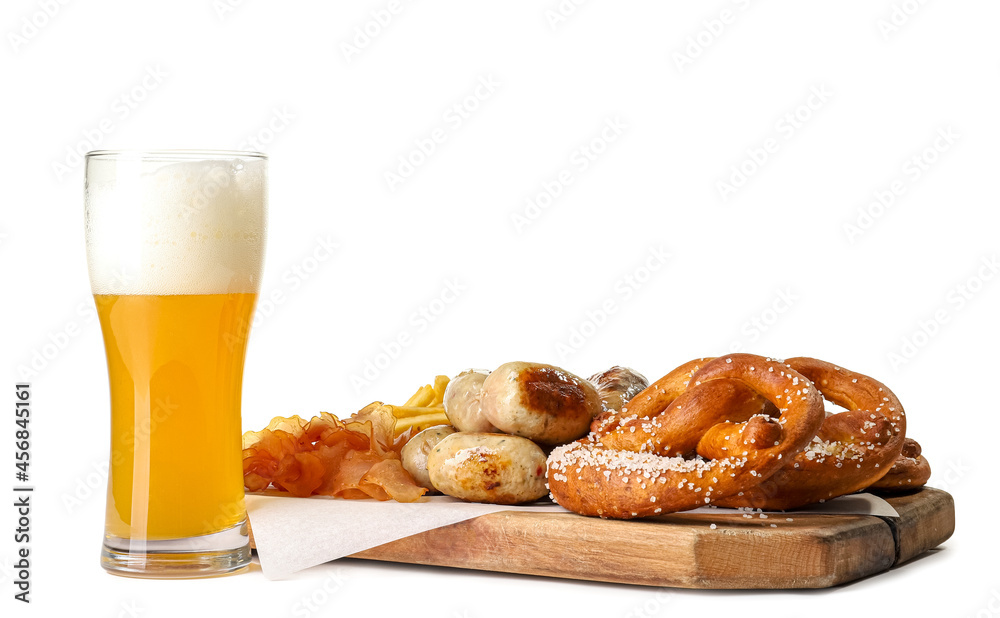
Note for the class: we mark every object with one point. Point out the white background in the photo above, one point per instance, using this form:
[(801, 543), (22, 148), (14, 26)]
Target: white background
[(691, 105)]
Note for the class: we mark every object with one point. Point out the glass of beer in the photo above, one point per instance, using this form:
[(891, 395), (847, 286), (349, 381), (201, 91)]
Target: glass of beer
[(175, 246)]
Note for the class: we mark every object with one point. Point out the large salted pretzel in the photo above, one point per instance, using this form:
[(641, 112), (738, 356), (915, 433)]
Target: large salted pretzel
[(851, 451), (622, 473)]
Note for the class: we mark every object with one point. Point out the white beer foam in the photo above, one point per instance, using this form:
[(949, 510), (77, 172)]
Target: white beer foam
[(169, 227)]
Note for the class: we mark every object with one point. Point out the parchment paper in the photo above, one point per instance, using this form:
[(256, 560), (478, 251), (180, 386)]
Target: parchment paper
[(338, 528)]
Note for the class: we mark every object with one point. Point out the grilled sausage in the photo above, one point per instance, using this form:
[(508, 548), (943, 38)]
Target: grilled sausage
[(488, 467), (540, 402)]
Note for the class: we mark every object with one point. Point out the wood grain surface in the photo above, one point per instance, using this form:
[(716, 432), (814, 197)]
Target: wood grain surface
[(683, 550)]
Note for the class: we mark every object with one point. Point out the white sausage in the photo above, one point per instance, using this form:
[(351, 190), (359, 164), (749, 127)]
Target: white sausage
[(488, 467), (461, 401), (541, 402), (414, 453)]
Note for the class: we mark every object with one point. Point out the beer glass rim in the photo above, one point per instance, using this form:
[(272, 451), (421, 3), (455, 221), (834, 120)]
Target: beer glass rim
[(174, 155)]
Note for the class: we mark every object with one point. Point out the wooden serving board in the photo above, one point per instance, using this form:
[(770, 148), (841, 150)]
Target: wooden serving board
[(682, 550)]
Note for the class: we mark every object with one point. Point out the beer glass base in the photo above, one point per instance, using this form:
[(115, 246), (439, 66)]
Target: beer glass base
[(208, 555)]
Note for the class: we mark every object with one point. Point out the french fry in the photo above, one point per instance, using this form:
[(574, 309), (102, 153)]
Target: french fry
[(435, 418), (440, 383), (406, 411), (421, 422), (422, 398), (424, 409)]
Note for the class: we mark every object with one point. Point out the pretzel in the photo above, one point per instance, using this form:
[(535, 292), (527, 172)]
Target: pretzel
[(593, 479), (728, 396), (910, 471), (683, 421), (852, 449)]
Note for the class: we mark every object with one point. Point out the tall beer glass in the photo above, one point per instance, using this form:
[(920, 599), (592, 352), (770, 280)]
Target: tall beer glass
[(175, 245)]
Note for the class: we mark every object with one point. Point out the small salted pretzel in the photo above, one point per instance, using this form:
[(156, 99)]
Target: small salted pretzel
[(591, 478), (852, 449), (910, 471)]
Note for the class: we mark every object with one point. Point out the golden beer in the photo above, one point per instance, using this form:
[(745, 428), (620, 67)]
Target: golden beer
[(176, 369), (175, 245)]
